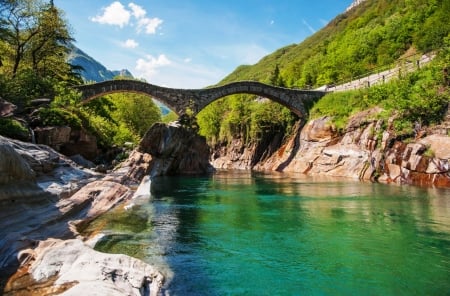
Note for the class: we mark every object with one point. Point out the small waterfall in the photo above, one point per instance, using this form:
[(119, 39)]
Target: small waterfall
[(33, 137)]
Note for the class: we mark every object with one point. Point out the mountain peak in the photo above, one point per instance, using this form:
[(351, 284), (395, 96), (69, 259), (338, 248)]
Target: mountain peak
[(92, 70)]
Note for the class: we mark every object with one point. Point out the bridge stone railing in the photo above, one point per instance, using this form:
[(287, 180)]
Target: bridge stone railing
[(196, 99)]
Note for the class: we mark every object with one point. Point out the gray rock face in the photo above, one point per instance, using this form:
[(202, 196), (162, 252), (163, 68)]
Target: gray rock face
[(175, 150)]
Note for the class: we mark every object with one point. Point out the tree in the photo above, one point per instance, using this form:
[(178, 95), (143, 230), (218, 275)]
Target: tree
[(34, 35), (275, 77), (53, 40)]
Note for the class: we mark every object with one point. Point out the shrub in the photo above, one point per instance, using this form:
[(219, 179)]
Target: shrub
[(59, 117), (12, 128)]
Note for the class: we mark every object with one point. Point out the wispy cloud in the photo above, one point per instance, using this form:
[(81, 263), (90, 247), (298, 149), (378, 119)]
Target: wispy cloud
[(323, 22), (114, 14), (310, 28), (272, 22), (130, 43), (117, 14)]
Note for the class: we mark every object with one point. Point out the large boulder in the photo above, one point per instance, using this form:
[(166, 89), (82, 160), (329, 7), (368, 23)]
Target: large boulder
[(71, 267), (6, 108), (175, 150), (13, 168)]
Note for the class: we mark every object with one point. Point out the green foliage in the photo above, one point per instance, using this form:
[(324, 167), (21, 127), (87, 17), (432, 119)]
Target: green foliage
[(59, 117), (340, 106), (25, 86), (138, 112), (419, 97), (374, 36), (243, 116), (370, 37), (120, 118), (11, 128), (65, 96)]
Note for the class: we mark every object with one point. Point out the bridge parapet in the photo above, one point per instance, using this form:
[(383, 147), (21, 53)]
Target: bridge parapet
[(197, 99)]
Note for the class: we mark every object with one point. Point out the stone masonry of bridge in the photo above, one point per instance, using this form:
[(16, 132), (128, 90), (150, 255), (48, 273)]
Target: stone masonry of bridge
[(196, 99)]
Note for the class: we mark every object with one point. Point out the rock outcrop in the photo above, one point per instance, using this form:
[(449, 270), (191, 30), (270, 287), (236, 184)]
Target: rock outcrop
[(364, 150), (175, 150), (6, 108), (46, 199), (70, 267)]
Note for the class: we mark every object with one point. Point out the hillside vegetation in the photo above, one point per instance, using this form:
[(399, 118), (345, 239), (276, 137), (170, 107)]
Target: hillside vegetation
[(35, 53), (373, 36)]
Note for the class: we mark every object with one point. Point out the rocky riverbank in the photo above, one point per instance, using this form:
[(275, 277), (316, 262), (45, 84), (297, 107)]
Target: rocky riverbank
[(47, 199), (363, 150)]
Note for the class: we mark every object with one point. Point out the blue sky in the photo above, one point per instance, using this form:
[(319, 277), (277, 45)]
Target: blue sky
[(191, 43)]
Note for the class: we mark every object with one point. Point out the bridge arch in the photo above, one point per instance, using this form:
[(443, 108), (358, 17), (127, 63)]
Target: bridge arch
[(196, 99)]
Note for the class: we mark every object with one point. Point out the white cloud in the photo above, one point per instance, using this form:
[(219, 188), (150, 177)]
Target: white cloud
[(130, 43), (119, 15), (179, 73), (137, 11), (149, 24), (114, 14), (147, 67)]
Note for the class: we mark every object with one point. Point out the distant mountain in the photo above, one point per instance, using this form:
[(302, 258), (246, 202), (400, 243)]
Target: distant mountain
[(92, 70)]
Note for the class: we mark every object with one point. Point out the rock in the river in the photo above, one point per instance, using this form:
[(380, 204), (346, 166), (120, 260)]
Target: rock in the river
[(72, 268), (175, 150)]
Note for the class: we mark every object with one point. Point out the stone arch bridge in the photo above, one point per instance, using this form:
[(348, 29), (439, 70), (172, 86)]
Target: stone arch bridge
[(196, 99)]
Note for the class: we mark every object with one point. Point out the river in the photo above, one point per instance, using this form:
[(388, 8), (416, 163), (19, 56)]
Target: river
[(241, 233)]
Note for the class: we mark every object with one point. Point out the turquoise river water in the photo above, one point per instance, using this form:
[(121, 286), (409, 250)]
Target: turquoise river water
[(240, 233)]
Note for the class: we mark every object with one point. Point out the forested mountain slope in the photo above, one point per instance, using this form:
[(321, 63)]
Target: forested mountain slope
[(371, 35)]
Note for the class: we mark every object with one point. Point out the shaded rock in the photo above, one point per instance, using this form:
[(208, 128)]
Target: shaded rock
[(6, 108), (13, 168), (83, 143), (175, 150), (80, 160), (54, 136)]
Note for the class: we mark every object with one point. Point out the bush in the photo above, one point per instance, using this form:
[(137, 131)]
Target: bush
[(59, 117), (12, 128)]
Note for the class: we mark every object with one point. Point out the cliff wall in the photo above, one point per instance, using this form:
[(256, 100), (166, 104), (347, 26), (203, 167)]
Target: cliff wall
[(365, 150)]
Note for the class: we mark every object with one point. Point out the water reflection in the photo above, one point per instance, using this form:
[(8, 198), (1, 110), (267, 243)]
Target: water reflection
[(251, 233)]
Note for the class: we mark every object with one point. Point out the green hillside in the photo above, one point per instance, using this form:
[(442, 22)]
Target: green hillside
[(375, 35)]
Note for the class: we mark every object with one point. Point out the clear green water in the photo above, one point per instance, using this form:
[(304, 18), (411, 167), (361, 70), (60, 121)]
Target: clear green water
[(255, 234)]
